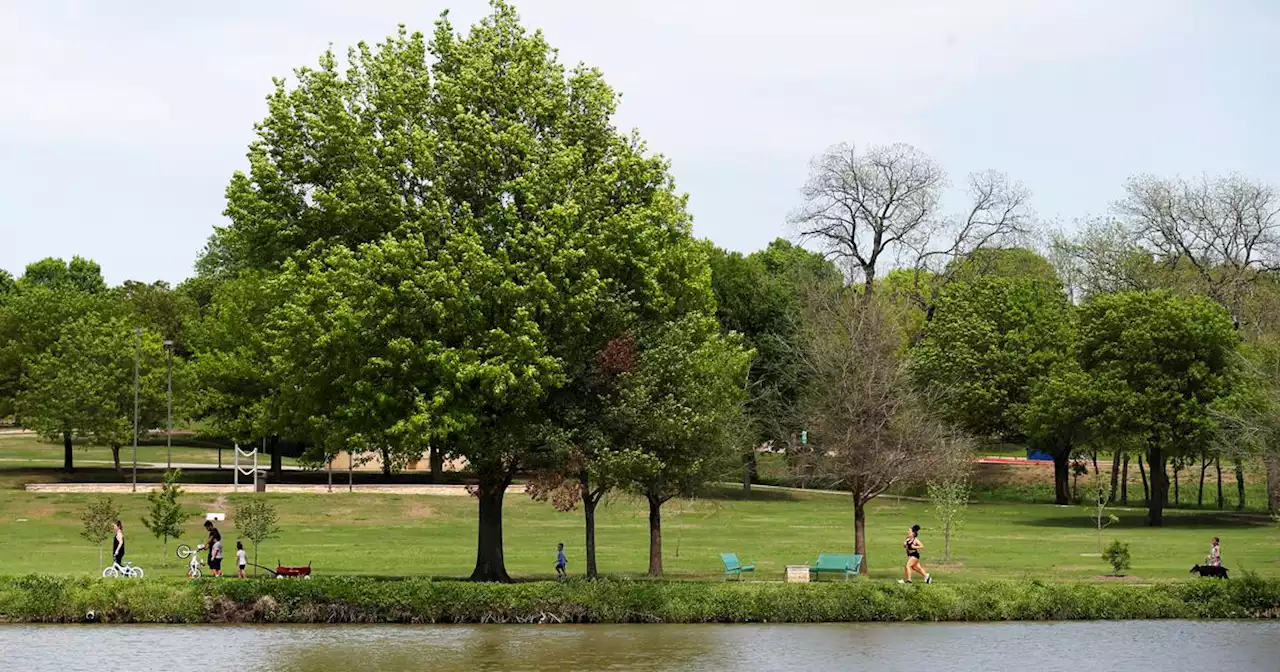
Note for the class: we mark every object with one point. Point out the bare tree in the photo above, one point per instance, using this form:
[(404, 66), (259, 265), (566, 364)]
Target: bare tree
[(869, 427), (882, 207), (1103, 256), (1224, 230)]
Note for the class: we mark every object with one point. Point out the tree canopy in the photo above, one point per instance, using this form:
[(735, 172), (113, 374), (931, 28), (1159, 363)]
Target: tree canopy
[(1158, 361)]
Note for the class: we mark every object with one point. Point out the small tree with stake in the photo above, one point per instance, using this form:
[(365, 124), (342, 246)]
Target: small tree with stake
[(1101, 498), (950, 497), (99, 518), (257, 521), (166, 515)]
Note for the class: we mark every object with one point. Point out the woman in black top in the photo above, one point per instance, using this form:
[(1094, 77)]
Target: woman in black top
[(913, 546), (117, 544)]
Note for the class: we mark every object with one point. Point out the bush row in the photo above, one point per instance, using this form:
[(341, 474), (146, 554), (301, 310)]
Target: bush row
[(41, 598)]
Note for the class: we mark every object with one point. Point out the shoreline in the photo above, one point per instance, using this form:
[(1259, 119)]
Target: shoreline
[(364, 600)]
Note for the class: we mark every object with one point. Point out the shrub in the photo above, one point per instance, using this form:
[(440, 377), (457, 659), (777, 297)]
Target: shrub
[(43, 598), (1118, 555)]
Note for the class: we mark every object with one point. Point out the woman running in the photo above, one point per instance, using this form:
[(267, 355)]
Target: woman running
[(913, 546)]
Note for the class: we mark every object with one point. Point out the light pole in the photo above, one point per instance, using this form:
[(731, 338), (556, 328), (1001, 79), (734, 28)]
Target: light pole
[(168, 436), (137, 355)]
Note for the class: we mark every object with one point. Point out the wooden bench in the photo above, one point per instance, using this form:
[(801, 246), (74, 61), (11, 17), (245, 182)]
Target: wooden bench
[(833, 563), (732, 567)]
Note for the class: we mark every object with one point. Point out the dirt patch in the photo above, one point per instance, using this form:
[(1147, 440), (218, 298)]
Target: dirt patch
[(417, 509), (39, 511), (1122, 579), (226, 610)]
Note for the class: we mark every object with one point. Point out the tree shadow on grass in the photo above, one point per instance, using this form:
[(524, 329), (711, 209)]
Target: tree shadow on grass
[(1177, 520), (758, 494)]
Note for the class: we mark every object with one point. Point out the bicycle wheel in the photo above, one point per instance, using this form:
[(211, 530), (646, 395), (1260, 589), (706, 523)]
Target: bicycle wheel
[(136, 573), (184, 551), (193, 573), (110, 572)]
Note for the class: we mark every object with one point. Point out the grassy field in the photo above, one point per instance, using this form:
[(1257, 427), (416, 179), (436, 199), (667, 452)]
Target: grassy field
[(1033, 484), (435, 536), (27, 449)]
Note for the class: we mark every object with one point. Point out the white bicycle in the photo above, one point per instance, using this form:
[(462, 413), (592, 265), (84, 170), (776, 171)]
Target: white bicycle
[(127, 570), (193, 568)]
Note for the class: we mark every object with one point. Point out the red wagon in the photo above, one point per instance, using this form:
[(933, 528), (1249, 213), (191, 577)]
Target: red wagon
[(283, 572)]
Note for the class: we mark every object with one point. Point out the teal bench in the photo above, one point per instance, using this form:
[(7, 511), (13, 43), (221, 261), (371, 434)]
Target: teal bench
[(734, 568), (832, 563)]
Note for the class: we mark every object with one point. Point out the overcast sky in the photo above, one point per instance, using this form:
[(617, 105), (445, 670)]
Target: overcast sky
[(121, 122)]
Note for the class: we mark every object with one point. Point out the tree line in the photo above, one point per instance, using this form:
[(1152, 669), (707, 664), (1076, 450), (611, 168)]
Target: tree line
[(444, 244)]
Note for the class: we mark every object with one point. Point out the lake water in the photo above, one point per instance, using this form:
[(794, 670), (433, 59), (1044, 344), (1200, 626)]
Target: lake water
[(1238, 646)]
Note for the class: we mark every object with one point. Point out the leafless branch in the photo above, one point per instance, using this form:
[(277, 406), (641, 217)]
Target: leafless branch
[(1222, 231)]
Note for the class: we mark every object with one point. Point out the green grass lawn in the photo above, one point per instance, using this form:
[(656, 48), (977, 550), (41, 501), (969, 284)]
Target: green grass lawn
[(435, 536)]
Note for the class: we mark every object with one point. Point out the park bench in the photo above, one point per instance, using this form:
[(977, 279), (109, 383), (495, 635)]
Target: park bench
[(832, 563), (734, 568)]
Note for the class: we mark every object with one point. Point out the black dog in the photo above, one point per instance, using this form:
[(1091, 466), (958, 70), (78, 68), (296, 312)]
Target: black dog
[(1207, 570)]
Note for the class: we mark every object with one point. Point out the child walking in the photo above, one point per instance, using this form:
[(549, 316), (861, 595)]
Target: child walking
[(561, 562), (242, 560)]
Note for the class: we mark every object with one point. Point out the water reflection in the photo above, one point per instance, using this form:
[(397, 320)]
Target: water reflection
[(1240, 646)]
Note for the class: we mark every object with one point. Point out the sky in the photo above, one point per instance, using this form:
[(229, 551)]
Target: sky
[(122, 122)]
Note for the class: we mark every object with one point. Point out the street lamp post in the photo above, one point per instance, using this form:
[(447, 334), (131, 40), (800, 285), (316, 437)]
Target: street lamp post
[(168, 436), (137, 355)]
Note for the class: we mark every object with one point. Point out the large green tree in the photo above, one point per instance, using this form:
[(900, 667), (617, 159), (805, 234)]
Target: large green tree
[(761, 297), (41, 307), (83, 385), (235, 395), (676, 418), (990, 338), (1157, 362), (477, 194)]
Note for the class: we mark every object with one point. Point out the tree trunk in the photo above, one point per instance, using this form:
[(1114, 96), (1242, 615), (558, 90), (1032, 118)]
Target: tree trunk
[(386, 462), (437, 464), (589, 503), (67, 463), (655, 536), (748, 471), (1177, 499), (1124, 481), (1115, 475), (489, 563), (115, 457), (1062, 477), (860, 532), (1159, 486), (1273, 484), (1217, 462), (277, 460), (1240, 484), (1146, 492), (1095, 463), (1204, 466)]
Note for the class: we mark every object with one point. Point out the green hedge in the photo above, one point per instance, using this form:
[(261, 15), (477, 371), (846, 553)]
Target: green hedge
[(39, 598)]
